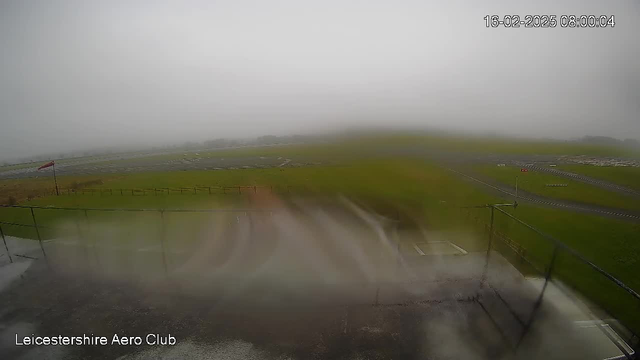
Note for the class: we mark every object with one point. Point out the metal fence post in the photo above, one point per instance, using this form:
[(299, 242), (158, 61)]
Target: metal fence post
[(35, 224), (5, 244), (209, 190), (536, 305), (486, 264), (491, 230)]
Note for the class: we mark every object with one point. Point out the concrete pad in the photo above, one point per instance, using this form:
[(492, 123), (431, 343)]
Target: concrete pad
[(438, 248)]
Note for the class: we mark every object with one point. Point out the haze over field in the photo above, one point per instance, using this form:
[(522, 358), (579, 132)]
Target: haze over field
[(78, 74)]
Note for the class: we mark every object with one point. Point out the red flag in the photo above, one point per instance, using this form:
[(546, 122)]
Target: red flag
[(524, 170), (49, 164)]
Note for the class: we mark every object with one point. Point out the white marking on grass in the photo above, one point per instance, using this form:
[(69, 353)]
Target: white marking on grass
[(418, 250), (463, 251)]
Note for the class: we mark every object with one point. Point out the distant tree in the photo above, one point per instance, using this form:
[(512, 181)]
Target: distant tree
[(215, 143), (190, 145), (604, 140), (267, 139)]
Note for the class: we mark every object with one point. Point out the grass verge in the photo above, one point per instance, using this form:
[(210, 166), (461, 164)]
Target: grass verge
[(536, 183)]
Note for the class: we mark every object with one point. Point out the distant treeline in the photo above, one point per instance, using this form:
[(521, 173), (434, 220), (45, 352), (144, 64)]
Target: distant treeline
[(606, 140), (262, 140)]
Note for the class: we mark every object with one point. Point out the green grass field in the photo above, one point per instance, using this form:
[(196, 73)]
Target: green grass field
[(365, 145), (611, 244), (316, 152), (493, 145), (36, 164), (535, 182), (415, 186), (418, 187), (625, 176)]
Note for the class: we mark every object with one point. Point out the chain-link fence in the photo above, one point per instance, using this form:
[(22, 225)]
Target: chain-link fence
[(601, 300), (598, 299)]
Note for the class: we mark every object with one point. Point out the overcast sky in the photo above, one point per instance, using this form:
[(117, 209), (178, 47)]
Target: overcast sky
[(78, 74)]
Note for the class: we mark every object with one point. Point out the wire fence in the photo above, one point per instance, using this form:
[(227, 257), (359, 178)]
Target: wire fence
[(610, 302), (160, 191), (192, 190), (195, 190)]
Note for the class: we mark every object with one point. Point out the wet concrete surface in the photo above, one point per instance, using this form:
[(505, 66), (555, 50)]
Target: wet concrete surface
[(267, 322), (309, 282)]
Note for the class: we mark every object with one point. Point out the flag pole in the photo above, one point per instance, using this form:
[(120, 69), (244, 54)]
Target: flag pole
[(55, 179)]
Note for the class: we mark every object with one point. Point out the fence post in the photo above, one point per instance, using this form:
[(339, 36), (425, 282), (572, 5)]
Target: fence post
[(486, 264), (5, 244), (155, 191), (536, 305), (35, 223), (162, 236), (194, 190), (131, 192), (255, 190), (239, 192), (209, 190), (491, 230)]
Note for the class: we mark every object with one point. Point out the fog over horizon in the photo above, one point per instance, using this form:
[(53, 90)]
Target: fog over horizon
[(84, 74)]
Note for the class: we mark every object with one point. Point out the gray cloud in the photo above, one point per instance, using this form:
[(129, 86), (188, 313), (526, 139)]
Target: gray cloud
[(76, 74)]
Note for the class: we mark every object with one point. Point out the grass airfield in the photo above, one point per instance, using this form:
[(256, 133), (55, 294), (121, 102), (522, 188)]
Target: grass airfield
[(621, 175), (541, 183), (393, 175)]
